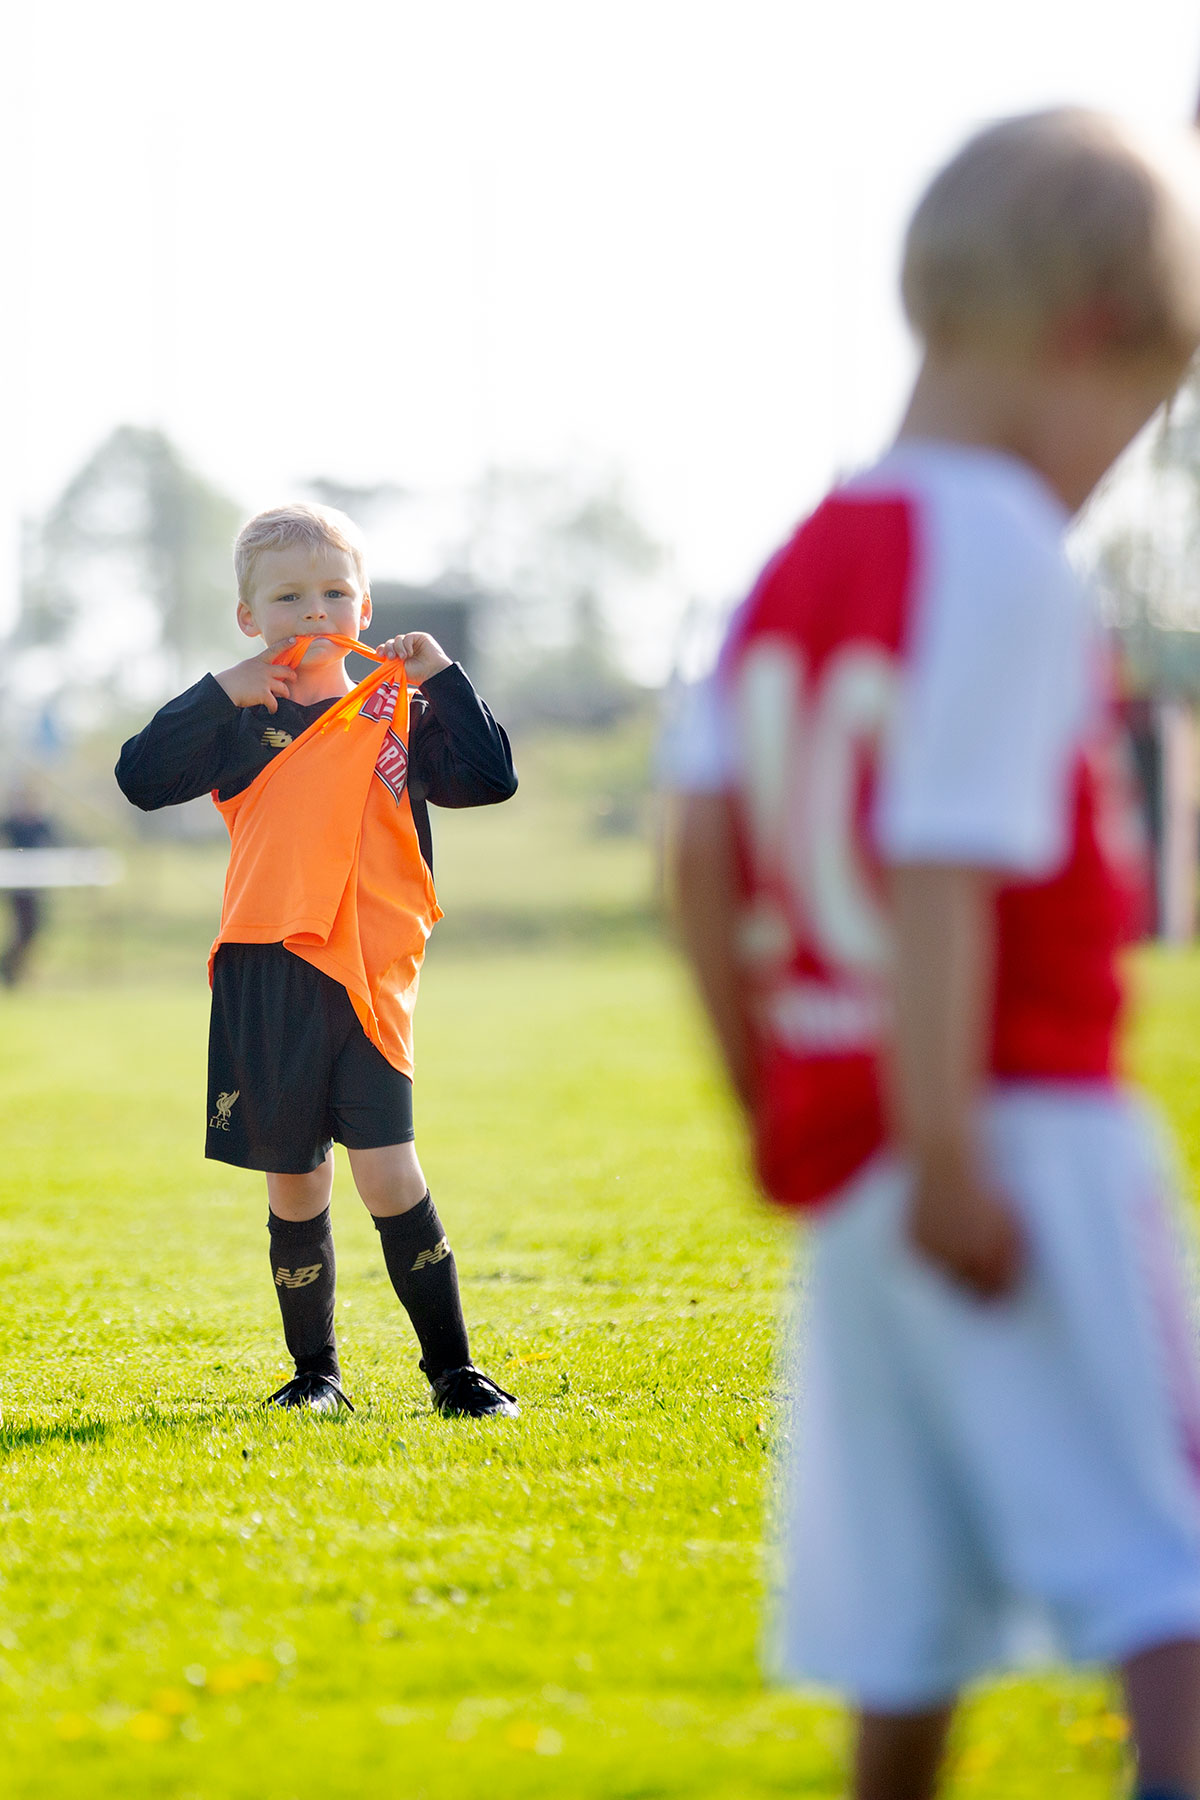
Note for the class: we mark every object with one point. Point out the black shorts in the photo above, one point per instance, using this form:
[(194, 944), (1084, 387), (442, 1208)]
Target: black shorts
[(290, 1068)]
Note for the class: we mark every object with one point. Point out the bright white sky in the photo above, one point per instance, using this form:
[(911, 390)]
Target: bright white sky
[(394, 240)]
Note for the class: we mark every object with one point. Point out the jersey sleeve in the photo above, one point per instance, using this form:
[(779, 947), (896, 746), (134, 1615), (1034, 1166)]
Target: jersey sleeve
[(185, 751), (458, 754), (994, 701)]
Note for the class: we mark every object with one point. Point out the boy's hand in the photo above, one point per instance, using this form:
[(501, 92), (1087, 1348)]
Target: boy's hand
[(944, 930), (963, 1228), (421, 655), (258, 681)]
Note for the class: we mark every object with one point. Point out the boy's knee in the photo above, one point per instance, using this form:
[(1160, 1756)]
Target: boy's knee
[(389, 1180), (301, 1197)]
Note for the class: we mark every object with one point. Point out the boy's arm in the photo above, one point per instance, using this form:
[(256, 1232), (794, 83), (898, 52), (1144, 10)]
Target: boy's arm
[(993, 704), (183, 751), (704, 883), (458, 754), (190, 745), (943, 920)]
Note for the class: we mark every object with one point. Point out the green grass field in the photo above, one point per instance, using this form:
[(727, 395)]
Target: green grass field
[(200, 1600)]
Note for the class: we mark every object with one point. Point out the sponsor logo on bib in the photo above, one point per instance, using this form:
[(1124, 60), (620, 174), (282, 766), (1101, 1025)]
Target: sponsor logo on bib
[(392, 765), (380, 703)]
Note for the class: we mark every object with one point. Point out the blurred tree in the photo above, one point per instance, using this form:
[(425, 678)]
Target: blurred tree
[(135, 527), (1145, 537), (360, 501), (1162, 551), (565, 554), (1177, 440)]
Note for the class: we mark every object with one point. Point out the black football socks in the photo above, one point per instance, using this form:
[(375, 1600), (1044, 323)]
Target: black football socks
[(422, 1269), (305, 1277), (419, 1261)]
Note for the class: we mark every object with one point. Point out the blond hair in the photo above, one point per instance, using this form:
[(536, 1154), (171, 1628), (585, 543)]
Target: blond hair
[(302, 524), (1056, 211)]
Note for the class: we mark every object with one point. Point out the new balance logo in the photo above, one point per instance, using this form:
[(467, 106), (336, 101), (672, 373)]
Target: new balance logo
[(437, 1254), (294, 1278), (220, 1119), (276, 740)]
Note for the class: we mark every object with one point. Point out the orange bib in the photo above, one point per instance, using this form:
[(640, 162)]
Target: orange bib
[(324, 856)]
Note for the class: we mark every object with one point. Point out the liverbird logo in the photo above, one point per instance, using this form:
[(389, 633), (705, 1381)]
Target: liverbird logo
[(220, 1119)]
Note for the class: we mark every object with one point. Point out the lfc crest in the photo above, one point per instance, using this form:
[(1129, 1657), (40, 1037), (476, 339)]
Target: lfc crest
[(225, 1103)]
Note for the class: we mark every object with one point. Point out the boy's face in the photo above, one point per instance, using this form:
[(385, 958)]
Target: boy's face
[(296, 592)]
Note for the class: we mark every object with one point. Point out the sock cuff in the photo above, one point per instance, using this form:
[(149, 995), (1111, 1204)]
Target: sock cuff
[(420, 1221), (298, 1231)]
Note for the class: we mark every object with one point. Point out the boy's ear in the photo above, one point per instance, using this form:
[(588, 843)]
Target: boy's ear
[(1095, 328), (364, 618), (246, 620)]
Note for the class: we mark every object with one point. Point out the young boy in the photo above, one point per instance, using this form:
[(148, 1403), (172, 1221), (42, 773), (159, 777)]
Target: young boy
[(905, 868), (328, 903)]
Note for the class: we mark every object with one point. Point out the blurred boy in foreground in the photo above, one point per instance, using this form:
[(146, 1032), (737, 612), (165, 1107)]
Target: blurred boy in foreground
[(906, 865)]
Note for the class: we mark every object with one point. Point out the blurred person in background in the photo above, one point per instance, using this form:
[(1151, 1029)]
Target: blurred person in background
[(906, 865), (25, 825)]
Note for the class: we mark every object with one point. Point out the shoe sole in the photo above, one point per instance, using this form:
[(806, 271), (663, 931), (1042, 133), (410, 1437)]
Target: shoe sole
[(306, 1406), (493, 1412)]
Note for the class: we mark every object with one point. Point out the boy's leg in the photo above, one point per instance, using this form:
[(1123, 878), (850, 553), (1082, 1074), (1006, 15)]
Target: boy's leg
[(299, 1199), (1162, 1688), (27, 917), (419, 1259), (390, 1180), (423, 1272), (897, 1755), (305, 1276)]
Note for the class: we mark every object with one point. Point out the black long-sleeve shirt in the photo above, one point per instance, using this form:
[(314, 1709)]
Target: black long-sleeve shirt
[(457, 754)]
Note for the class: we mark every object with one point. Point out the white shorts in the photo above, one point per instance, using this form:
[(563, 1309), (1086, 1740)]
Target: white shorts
[(958, 1469)]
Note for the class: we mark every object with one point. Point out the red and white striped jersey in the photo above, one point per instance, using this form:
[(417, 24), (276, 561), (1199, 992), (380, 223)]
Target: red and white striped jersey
[(918, 677)]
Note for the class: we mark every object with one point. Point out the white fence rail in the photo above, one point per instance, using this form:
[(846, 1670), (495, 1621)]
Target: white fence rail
[(59, 868)]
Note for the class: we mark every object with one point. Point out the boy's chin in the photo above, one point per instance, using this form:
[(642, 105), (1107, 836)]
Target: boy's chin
[(321, 650)]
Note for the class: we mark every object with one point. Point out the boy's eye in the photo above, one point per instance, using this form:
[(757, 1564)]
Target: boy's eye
[(335, 593), (281, 599)]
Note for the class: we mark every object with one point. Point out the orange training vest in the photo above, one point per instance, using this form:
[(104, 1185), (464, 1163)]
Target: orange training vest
[(324, 856)]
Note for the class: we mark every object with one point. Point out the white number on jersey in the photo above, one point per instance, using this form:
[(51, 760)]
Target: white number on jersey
[(803, 747)]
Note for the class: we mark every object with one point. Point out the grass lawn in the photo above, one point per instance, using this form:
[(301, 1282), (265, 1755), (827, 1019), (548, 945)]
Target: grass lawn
[(201, 1600)]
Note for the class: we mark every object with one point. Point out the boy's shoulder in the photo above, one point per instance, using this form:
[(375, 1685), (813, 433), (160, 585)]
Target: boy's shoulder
[(929, 523), (984, 488), (939, 573)]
